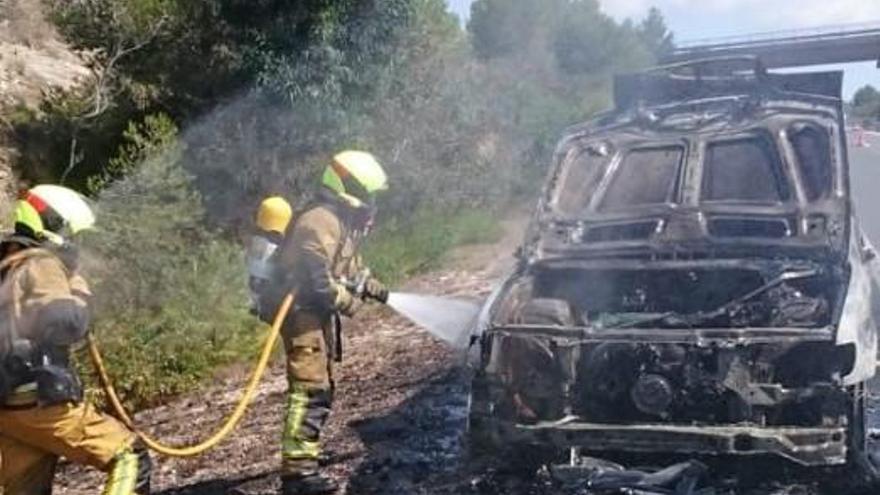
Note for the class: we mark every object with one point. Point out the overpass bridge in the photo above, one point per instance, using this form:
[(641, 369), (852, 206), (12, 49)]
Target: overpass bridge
[(794, 48)]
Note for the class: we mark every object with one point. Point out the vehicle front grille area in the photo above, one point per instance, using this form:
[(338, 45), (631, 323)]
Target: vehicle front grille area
[(769, 385)]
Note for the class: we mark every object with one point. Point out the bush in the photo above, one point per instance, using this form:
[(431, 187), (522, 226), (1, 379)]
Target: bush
[(204, 324), (399, 250), (171, 301)]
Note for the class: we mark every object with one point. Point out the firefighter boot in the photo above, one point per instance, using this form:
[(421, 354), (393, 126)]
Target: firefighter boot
[(308, 484)]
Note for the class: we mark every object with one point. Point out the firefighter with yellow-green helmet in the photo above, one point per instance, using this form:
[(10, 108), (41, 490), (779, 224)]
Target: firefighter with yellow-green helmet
[(44, 310), (318, 259)]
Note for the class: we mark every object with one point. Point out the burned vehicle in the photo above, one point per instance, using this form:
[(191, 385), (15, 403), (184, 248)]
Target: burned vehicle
[(693, 281)]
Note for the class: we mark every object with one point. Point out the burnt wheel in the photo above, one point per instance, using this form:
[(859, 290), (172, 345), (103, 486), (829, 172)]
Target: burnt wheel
[(862, 461)]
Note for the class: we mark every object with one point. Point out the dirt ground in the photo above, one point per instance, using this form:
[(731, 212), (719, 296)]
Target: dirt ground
[(398, 422)]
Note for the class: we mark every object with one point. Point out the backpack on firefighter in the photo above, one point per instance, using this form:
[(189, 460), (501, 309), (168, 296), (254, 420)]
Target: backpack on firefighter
[(273, 217)]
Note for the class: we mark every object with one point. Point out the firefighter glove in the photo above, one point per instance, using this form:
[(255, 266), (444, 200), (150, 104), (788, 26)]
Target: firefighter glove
[(374, 289), (346, 303)]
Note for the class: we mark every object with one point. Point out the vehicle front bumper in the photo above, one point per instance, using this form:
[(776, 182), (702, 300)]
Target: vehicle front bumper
[(807, 446)]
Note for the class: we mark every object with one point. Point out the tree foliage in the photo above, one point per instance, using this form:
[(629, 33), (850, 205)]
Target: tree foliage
[(170, 295), (503, 27), (266, 91), (866, 103), (655, 35), (580, 37)]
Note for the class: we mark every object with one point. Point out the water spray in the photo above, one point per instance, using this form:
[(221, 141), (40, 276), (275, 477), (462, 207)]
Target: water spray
[(448, 319)]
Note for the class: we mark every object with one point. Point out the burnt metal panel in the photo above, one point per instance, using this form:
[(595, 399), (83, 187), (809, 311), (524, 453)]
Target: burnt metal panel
[(705, 337), (807, 446), (650, 88)]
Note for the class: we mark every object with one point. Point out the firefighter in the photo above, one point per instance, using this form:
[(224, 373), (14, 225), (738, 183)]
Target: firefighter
[(273, 217), (43, 312), (319, 260)]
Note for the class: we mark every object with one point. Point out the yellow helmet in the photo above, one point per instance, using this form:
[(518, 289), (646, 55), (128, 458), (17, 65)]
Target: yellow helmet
[(356, 176), (49, 212), (274, 215)]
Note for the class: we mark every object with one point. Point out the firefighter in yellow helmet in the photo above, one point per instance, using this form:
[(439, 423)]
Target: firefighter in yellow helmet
[(319, 259), (43, 312), (273, 217)]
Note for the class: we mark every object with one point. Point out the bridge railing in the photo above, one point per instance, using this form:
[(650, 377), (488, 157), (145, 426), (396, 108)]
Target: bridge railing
[(782, 36)]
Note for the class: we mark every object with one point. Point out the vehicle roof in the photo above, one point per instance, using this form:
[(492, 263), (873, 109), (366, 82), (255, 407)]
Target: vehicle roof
[(713, 78)]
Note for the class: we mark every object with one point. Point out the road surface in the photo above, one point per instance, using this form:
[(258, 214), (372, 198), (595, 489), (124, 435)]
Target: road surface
[(865, 183)]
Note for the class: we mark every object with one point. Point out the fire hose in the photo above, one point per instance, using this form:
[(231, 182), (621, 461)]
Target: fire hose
[(231, 422)]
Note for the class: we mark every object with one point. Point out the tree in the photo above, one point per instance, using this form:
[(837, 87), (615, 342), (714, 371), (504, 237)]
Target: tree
[(502, 27), (586, 41), (170, 297), (655, 35), (576, 34), (866, 103)]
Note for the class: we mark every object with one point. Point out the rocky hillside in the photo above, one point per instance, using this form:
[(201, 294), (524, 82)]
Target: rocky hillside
[(33, 60)]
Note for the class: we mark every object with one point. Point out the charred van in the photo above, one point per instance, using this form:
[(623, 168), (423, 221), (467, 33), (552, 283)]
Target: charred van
[(693, 281)]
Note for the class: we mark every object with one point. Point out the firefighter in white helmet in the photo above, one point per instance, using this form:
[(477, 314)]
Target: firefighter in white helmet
[(44, 310)]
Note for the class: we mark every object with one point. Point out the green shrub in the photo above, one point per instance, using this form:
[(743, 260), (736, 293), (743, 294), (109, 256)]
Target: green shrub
[(399, 250), (171, 301), (202, 325)]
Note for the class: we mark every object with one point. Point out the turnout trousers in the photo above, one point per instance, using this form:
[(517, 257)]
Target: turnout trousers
[(32, 438), (310, 390)]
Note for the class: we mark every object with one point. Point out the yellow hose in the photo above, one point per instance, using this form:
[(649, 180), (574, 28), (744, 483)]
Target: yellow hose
[(233, 419)]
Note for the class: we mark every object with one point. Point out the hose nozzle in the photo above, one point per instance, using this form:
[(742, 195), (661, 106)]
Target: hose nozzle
[(358, 286)]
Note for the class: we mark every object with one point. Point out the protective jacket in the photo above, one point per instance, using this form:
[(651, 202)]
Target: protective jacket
[(43, 311), (318, 254)]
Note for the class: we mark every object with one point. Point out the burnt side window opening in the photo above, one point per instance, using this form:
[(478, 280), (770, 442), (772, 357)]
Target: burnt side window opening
[(812, 148), (645, 176), (744, 170), (579, 180)]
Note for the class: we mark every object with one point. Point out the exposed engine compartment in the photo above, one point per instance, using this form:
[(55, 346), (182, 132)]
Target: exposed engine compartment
[(630, 382), (802, 296), (625, 363)]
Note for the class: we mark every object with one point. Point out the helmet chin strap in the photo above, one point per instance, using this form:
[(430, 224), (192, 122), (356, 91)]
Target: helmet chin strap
[(352, 201), (53, 238)]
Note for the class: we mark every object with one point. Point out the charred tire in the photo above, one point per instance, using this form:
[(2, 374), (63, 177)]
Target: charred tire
[(860, 474), (547, 312), (487, 446)]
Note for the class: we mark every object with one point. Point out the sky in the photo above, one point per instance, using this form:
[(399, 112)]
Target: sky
[(697, 19)]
